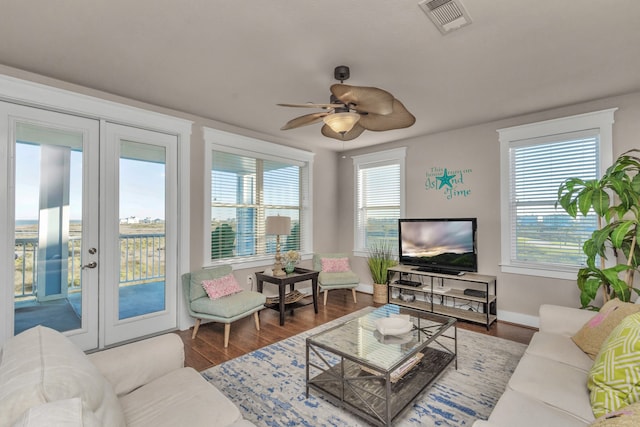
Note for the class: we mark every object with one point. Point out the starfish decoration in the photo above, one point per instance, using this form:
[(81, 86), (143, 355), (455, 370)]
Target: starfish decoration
[(445, 179)]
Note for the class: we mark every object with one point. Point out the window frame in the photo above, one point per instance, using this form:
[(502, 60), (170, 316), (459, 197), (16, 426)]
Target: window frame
[(372, 160), (601, 121), (217, 140)]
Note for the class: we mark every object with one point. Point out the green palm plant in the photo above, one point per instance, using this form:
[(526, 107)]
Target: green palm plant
[(618, 227)]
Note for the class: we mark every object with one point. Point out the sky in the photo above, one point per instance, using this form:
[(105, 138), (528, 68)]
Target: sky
[(141, 186)]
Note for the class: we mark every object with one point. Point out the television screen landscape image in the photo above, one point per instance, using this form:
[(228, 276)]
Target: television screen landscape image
[(439, 244)]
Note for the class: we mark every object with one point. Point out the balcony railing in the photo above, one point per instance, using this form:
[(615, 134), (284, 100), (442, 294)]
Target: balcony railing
[(142, 259)]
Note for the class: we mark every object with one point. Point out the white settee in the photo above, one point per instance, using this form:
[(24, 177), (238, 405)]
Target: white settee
[(549, 386), (46, 380)]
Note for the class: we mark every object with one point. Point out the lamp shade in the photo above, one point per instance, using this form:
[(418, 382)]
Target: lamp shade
[(279, 225), (341, 122)]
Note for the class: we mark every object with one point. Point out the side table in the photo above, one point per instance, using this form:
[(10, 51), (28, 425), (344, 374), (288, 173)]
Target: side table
[(298, 275)]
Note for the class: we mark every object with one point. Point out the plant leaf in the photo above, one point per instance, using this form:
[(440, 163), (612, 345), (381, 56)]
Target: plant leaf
[(584, 201), (600, 201), (599, 238), (619, 233)]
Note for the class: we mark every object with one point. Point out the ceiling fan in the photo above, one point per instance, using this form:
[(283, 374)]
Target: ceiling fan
[(354, 109)]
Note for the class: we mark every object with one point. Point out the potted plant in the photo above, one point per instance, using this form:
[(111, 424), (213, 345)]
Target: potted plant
[(290, 259), (618, 228), (380, 258)]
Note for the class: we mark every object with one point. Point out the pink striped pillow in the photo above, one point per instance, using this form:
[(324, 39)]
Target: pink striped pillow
[(335, 265), (221, 287)]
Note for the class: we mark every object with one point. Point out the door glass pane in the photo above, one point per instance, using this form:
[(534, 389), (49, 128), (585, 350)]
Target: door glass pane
[(142, 229), (48, 228)]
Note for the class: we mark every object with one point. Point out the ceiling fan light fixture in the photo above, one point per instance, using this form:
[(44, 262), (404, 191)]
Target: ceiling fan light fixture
[(341, 122)]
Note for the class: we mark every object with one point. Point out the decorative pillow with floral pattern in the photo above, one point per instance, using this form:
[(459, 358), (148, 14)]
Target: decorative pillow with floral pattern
[(335, 265), (222, 287), (628, 416), (596, 330)]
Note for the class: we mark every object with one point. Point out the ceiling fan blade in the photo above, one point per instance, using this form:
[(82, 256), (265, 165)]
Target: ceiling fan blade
[(364, 99), (399, 118), (307, 119), (355, 132), (310, 105)]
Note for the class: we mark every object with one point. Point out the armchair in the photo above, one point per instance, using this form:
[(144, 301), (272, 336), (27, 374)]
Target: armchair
[(335, 273), (226, 309)]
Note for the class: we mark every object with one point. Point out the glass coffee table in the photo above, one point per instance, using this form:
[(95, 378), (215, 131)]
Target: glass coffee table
[(376, 376)]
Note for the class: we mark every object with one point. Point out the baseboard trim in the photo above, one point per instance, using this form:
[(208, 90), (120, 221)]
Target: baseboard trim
[(367, 289), (519, 318)]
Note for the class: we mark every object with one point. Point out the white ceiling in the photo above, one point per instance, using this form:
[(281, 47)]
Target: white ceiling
[(233, 60)]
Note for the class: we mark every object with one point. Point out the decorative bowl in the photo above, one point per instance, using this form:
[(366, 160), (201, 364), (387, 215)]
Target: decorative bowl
[(394, 325)]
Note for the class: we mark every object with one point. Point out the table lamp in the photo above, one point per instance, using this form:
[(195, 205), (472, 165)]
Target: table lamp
[(280, 226)]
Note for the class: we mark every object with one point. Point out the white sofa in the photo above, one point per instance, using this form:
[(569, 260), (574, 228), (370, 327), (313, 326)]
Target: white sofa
[(549, 386), (45, 380)]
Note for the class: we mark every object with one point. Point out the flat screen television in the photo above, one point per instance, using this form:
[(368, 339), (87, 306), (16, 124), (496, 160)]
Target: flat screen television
[(439, 245)]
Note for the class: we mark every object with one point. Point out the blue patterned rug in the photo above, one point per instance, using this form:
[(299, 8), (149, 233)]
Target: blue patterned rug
[(268, 385)]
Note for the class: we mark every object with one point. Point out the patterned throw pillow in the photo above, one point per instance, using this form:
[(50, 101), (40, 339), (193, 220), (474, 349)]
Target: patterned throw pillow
[(596, 330), (335, 265), (614, 379), (218, 288), (629, 416)]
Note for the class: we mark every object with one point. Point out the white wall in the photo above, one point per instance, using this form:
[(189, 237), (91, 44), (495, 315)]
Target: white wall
[(474, 147), (477, 148)]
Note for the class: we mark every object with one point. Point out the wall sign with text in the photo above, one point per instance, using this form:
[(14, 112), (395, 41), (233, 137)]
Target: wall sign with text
[(450, 182)]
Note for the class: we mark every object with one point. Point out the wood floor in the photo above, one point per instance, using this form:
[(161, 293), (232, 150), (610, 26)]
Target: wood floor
[(207, 348)]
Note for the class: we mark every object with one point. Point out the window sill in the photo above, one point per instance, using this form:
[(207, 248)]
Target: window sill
[(246, 263), (569, 274)]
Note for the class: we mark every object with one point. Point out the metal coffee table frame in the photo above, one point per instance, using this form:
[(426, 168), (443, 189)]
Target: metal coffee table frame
[(347, 379)]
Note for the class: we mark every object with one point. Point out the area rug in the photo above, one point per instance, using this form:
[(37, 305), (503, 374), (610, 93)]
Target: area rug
[(268, 385)]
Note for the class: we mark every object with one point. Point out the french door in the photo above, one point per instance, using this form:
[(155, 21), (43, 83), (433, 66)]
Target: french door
[(139, 232), (88, 226)]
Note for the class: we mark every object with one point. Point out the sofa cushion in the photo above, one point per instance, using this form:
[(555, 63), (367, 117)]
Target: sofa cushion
[(628, 416), (593, 334), (41, 365), (559, 348), (515, 409), (180, 398), (61, 413), (554, 383), (336, 280), (614, 379), (230, 306)]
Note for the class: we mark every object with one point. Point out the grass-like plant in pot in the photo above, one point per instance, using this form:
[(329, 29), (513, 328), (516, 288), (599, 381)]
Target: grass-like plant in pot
[(618, 228), (380, 259)]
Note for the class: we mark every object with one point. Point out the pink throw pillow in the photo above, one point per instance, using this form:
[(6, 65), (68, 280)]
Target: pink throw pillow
[(335, 265), (218, 288)]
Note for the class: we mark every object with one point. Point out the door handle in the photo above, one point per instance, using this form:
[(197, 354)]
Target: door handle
[(90, 265)]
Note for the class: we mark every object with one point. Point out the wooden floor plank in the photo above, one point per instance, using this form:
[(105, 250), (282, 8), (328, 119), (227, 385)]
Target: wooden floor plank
[(207, 348)]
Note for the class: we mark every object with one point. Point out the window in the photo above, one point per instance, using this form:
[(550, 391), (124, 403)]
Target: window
[(250, 180), (537, 238), (379, 183)]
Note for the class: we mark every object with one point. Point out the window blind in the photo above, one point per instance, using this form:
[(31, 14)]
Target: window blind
[(540, 233), (244, 191), (379, 198)]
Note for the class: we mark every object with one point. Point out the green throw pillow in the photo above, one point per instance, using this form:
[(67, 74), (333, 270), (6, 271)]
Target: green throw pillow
[(614, 379)]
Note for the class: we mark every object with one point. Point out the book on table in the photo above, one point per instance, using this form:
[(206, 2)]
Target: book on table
[(400, 370)]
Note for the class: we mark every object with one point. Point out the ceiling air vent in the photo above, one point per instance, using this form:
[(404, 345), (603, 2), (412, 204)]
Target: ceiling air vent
[(448, 15)]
